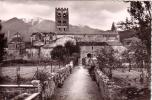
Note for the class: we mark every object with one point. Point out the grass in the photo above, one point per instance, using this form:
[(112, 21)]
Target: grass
[(26, 72)]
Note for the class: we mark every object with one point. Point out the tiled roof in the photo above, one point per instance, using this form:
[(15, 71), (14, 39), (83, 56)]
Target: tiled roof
[(113, 43), (92, 43)]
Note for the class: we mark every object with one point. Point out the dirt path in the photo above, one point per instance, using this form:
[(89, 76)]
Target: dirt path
[(78, 86)]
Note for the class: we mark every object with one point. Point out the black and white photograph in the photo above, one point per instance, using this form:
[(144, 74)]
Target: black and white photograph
[(75, 50)]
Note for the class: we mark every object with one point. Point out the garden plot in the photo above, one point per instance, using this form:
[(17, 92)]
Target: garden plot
[(132, 77), (27, 72)]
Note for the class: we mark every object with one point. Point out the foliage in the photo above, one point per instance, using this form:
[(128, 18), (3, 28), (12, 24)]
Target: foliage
[(58, 53), (106, 56), (71, 48), (140, 53), (136, 56), (107, 59), (113, 28), (127, 57), (64, 53), (42, 76), (127, 25), (3, 41), (136, 51), (140, 12)]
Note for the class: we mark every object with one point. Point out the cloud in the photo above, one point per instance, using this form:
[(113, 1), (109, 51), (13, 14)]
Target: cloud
[(22, 10), (96, 14)]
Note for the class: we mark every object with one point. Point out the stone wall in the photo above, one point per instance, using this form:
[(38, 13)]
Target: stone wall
[(95, 50), (108, 89), (47, 88), (56, 80)]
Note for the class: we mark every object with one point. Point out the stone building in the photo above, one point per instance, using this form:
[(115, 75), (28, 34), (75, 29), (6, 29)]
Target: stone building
[(16, 47), (89, 43), (93, 43), (42, 38), (41, 45), (62, 19)]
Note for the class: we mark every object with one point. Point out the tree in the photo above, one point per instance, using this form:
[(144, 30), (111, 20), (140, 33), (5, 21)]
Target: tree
[(71, 48), (140, 56), (127, 57), (58, 53), (76, 48), (127, 25), (141, 15), (113, 28), (140, 22), (3, 41), (107, 59)]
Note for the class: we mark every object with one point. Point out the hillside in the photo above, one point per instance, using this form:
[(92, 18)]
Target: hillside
[(27, 27)]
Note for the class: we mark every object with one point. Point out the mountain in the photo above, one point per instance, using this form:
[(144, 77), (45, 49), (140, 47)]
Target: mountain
[(15, 25), (43, 26), (27, 26), (33, 21)]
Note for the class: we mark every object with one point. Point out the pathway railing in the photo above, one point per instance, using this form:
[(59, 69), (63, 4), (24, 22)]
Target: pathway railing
[(34, 96)]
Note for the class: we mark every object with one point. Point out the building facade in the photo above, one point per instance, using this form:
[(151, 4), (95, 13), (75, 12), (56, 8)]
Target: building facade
[(16, 47), (62, 19)]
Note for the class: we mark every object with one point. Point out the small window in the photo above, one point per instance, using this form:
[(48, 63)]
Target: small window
[(59, 21), (64, 22), (59, 14), (64, 14)]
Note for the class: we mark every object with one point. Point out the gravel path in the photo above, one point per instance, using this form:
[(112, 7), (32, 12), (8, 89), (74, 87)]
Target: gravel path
[(78, 86)]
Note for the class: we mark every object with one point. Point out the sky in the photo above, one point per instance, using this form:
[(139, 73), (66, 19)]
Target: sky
[(95, 14)]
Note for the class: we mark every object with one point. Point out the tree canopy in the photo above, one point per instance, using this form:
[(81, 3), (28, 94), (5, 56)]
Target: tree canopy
[(3, 41), (58, 53), (140, 12), (113, 28), (71, 48)]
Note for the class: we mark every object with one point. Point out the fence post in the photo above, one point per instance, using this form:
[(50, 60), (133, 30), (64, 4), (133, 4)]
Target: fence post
[(51, 66), (18, 74)]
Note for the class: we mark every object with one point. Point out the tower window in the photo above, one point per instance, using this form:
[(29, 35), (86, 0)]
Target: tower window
[(59, 14), (64, 14), (59, 21), (64, 22)]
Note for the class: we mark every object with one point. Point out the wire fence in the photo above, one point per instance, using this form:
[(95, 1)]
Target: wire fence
[(15, 73)]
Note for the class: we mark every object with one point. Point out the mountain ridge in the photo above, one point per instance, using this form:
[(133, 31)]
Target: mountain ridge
[(27, 26)]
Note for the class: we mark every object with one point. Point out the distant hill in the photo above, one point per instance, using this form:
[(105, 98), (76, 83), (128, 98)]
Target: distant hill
[(15, 25), (27, 26)]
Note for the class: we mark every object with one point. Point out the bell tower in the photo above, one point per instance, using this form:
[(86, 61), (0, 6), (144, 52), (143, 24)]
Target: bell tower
[(62, 19)]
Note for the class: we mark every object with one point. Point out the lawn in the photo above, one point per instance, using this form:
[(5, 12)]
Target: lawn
[(26, 72)]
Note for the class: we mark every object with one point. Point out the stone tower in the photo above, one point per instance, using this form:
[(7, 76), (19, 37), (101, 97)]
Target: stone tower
[(62, 19)]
